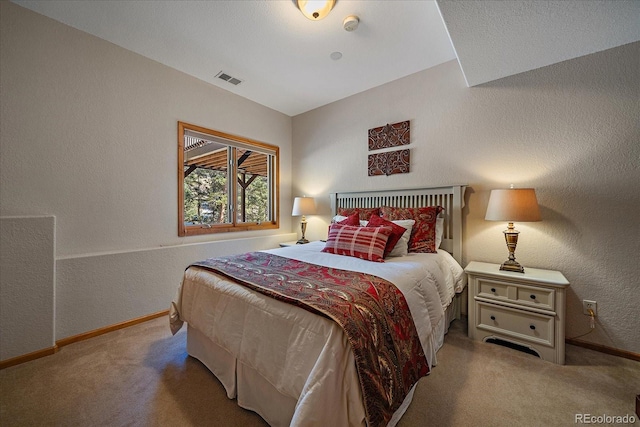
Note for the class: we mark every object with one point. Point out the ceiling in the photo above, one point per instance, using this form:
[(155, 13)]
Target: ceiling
[(283, 59)]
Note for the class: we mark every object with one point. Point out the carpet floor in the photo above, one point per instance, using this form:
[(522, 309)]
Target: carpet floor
[(142, 376)]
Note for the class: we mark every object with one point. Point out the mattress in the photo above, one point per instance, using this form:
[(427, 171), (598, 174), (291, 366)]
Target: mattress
[(289, 364)]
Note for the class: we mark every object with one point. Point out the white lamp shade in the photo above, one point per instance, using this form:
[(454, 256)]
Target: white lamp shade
[(513, 204), (304, 206)]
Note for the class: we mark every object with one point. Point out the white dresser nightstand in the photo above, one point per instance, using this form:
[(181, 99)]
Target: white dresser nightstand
[(526, 309)]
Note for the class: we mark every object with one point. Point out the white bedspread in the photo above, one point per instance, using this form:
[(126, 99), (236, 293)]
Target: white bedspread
[(307, 357)]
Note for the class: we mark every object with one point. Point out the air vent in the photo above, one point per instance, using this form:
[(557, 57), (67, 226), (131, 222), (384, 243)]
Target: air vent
[(227, 78)]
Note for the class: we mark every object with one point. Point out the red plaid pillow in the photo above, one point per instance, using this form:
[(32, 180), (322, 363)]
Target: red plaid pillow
[(364, 213), (396, 231), (423, 233), (366, 243)]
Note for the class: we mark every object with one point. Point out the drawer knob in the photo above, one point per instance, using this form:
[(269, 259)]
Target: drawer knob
[(493, 290), (493, 317), (532, 327), (532, 296)]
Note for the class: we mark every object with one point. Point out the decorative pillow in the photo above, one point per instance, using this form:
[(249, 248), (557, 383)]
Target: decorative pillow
[(352, 219), (402, 247), (366, 243), (423, 234), (365, 213), (439, 231), (348, 220), (396, 231), (338, 218)]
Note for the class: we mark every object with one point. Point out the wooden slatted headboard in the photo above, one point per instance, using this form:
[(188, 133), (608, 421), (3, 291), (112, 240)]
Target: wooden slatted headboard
[(450, 198)]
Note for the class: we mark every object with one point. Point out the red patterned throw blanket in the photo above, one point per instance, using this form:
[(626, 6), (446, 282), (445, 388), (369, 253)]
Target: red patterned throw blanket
[(372, 311)]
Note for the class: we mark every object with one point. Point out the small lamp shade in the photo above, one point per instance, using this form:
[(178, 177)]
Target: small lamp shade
[(513, 204), (303, 206)]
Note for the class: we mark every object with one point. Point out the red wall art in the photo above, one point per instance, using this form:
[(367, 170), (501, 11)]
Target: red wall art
[(389, 163), (389, 135)]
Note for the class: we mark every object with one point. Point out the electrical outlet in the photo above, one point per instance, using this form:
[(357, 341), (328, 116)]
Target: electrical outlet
[(586, 305)]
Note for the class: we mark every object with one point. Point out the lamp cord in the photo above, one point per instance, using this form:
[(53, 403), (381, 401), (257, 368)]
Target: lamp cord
[(592, 325)]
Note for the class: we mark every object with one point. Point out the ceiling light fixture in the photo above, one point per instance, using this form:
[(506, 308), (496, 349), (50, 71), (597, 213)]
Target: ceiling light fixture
[(315, 9)]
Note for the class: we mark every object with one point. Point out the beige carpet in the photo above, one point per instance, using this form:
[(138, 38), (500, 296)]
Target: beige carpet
[(142, 376)]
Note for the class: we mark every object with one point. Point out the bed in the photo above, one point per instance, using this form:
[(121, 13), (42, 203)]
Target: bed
[(294, 366)]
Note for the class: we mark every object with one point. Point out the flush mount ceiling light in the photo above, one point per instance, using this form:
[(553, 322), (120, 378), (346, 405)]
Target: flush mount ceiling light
[(315, 9)]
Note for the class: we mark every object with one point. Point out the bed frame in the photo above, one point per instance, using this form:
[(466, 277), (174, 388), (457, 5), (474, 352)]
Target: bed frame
[(450, 198)]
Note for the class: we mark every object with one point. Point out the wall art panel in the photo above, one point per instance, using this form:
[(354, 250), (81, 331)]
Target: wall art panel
[(389, 135), (389, 163)]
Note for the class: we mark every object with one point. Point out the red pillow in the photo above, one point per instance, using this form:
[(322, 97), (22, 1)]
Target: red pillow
[(423, 233), (396, 232), (366, 243), (352, 219), (364, 213)]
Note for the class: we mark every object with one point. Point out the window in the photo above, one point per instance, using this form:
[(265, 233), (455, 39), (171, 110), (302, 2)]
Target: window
[(225, 182)]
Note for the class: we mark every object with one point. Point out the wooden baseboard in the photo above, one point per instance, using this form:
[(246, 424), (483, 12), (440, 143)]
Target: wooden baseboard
[(604, 349), (100, 331), (28, 357), (81, 337)]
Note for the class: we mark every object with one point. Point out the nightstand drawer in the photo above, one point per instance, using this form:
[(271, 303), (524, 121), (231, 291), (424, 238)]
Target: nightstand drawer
[(538, 297), (492, 289), (523, 325)]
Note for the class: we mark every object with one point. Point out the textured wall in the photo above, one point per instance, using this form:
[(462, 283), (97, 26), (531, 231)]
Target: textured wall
[(27, 284), (88, 133), (570, 130), (97, 126)]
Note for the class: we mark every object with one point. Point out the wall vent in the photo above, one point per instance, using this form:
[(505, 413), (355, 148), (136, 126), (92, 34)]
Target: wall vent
[(227, 78)]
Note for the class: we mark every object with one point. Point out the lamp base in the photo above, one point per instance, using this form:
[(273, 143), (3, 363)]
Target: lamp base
[(510, 265), (511, 237), (303, 228)]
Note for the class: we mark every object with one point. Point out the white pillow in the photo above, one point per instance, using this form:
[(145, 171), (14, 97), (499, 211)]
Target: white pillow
[(439, 231), (402, 247), (337, 219)]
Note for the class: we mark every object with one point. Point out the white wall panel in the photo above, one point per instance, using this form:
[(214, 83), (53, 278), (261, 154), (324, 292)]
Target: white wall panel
[(99, 290), (27, 284)]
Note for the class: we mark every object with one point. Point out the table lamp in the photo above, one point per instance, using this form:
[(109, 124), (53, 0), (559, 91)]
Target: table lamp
[(513, 204), (303, 206)]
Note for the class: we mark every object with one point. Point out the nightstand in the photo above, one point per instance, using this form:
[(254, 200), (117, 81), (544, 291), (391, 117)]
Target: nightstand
[(526, 309)]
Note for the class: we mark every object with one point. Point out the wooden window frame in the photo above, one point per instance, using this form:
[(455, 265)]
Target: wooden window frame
[(234, 225)]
